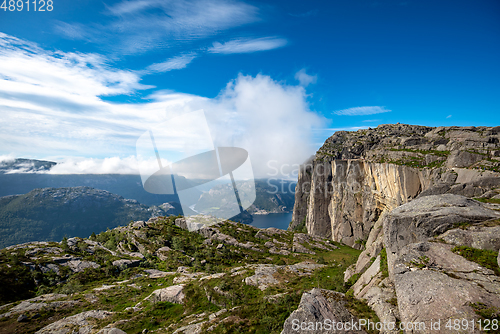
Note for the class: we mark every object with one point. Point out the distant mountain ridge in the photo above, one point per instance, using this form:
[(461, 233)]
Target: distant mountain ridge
[(51, 213), (25, 166)]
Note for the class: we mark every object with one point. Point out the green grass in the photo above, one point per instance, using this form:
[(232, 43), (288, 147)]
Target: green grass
[(488, 315), (488, 200), (384, 268), (254, 313), (485, 258)]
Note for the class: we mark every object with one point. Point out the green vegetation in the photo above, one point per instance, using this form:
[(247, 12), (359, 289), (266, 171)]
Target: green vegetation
[(425, 152), (51, 213), (361, 309), (462, 225), (485, 258), (422, 262), (418, 161), (384, 267), (352, 280), (488, 200), (302, 226), (488, 315), (250, 308)]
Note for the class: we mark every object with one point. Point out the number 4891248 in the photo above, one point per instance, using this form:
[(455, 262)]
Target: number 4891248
[(34, 5)]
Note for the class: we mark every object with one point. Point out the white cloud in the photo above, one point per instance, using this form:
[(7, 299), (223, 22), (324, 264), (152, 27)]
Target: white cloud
[(347, 128), (7, 157), (113, 165), (304, 78), (175, 63), (248, 45), (134, 27), (360, 111), (51, 106), (26, 69), (71, 31), (449, 116)]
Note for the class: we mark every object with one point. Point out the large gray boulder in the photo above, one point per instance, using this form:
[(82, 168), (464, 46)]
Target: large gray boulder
[(111, 331), (481, 237), (173, 294), (427, 217), (318, 308), (124, 263), (463, 159), (433, 283), (80, 323)]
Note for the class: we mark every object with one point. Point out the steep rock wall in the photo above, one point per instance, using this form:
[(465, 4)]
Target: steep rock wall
[(356, 176), (344, 198)]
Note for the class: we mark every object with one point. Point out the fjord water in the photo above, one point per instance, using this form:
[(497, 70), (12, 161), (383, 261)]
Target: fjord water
[(278, 220)]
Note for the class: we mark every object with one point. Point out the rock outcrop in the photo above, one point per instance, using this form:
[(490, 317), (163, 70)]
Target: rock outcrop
[(428, 217), (321, 311), (432, 282), (357, 176), (80, 323), (419, 276)]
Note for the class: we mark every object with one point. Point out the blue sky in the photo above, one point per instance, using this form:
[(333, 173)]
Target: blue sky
[(81, 83)]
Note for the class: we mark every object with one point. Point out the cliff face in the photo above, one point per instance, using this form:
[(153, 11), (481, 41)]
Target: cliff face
[(357, 176)]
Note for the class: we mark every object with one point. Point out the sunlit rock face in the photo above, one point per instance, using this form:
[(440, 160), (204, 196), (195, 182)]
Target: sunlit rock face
[(356, 177)]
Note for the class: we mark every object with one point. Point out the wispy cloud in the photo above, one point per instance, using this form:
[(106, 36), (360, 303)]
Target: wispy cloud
[(347, 128), (248, 45), (304, 78), (134, 27), (52, 107), (370, 120), (27, 70), (361, 111), (175, 63), (449, 116), (71, 31)]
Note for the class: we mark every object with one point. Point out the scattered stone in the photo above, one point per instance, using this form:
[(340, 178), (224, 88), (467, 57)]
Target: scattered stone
[(273, 299), (480, 237), (22, 318), (191, 329), (80, 323), (317, 306), (218, 275), (173, 294), (105, 287), (124, 264), (49, 267), (111, 331), (263, 277), (45, 250), (154, 273), (44, 302)]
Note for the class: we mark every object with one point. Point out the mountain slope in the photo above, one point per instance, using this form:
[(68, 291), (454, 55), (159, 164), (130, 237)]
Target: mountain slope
[(51, 213), (25, 166)]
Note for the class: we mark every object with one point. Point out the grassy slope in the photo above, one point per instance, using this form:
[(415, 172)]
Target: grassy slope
[(253, 313)]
